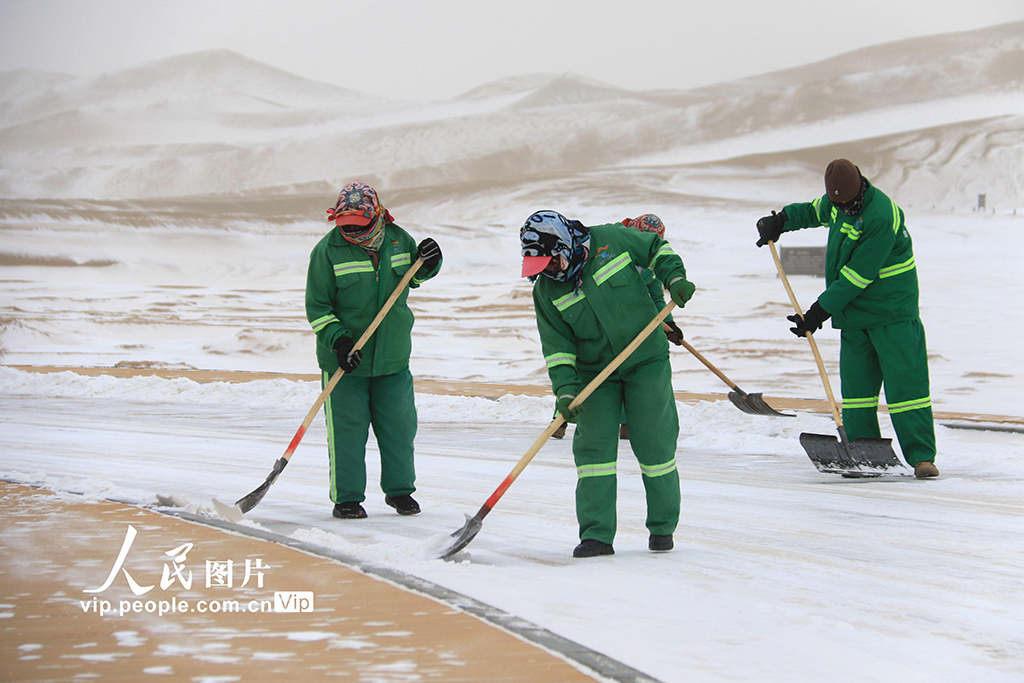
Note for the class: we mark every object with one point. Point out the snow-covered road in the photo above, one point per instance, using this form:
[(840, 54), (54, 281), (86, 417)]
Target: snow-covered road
[(779, 573)]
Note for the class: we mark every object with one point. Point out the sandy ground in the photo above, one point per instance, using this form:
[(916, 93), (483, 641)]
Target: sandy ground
[(54, 547)]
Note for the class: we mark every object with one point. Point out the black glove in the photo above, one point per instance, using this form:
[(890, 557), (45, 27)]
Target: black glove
[(674, 334), (429, 252), (770, 227), (348, 358), (812, 321)]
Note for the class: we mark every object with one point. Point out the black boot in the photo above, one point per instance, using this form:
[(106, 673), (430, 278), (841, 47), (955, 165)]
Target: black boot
[(404, 505), (349, 510), (590, 547), (660, 544)]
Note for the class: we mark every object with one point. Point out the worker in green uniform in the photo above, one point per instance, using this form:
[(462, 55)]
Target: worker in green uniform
[(646, 222), (591, 302), (871, 295), (353, 270)]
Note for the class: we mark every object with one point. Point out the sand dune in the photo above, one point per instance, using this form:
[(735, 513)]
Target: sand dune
[(218, 122)]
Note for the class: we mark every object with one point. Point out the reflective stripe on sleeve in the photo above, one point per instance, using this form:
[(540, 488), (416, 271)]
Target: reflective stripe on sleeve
[(898, 268), (557, 359), (852, 275), (663, 250), (895, 216), (321, 323)]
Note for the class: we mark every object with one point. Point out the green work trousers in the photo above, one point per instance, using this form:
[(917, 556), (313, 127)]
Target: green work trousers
[(387, 403), (897, 356), (646, 394)]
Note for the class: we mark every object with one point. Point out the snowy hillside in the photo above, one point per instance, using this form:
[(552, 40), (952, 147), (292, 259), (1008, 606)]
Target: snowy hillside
[(218, 122), (27, 82)]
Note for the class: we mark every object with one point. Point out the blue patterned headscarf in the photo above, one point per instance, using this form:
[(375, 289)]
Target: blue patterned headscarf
[(549, 233)]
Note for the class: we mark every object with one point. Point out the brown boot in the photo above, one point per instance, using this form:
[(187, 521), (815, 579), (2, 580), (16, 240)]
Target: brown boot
[(560, 432), (925, 469), (623, 432)]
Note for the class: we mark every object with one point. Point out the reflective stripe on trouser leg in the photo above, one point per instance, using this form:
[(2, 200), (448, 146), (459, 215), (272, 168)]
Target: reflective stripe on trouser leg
[(393, 412), (903, 351), (595, 446), (896, 354), (861, 376), (347, 410), (653, 424)]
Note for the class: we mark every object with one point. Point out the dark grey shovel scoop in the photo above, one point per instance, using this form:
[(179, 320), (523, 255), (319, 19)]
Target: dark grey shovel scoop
[(857, 458), (753, 404)]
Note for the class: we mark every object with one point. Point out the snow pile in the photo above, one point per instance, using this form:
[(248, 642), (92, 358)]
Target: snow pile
[(276, 393)]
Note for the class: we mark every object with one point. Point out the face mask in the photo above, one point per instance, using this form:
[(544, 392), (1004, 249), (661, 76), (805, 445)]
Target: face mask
[(548, 233), (852, 207), (855, 205), (558, 267)]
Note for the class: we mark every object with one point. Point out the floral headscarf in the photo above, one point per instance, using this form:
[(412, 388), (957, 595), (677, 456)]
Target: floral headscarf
[(359, 215), (646, 222)]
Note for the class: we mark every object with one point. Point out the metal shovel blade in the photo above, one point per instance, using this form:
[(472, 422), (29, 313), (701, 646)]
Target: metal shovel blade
[(753, 404), (251, 500), (857, 458), (463, 536)]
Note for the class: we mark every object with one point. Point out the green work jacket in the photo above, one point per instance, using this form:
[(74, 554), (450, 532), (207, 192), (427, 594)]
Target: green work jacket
[(584, 329), (656, 289), (870, 273), (344, 292)]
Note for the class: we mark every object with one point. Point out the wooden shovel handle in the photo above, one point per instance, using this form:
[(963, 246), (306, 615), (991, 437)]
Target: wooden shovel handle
[(580, 398), (836, 415), (623, 355), (709, 366), (339, 373)]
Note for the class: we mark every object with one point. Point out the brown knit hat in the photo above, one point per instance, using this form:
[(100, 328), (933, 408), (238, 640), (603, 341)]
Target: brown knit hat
[(842, 181)]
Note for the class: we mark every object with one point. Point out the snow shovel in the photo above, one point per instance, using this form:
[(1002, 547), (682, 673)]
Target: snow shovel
[(472, 526), (752, 404), (865, 457), (251, 500)]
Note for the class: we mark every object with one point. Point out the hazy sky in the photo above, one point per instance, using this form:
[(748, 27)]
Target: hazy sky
[(423, 49)]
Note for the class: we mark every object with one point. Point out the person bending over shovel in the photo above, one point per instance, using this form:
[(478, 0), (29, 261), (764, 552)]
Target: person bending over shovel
[(871, 294), (646, 222), (353, 270), (591, 302)]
